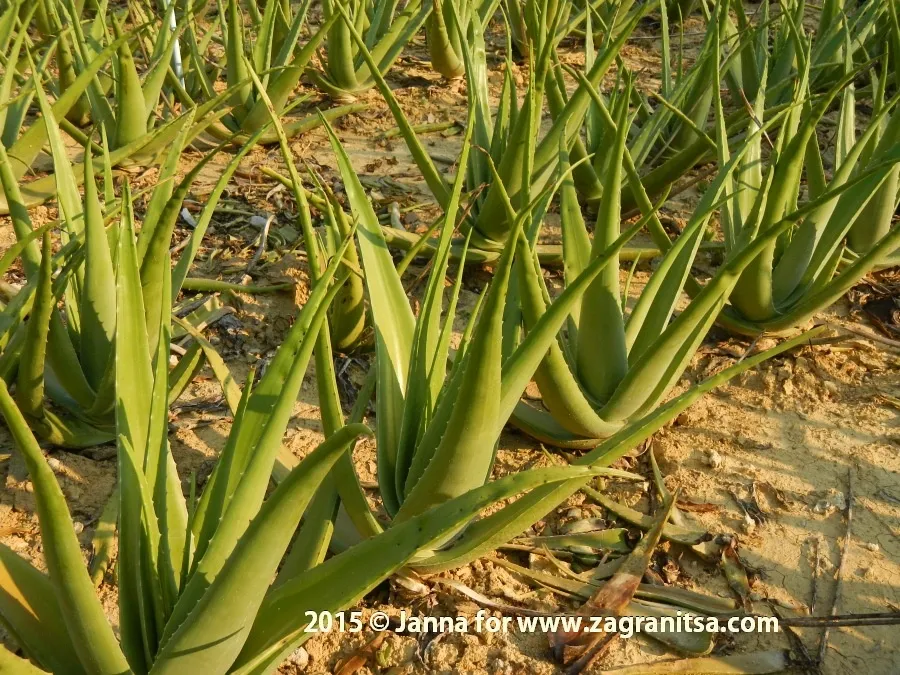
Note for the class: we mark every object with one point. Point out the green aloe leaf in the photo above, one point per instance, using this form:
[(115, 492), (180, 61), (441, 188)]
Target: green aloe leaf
[(602, 327), (131, 109), (97, 305), (394, 324), (32, 614), (281, 621), (89, 631), (16, 665), (30, 380), (213, 634), (140, 614)]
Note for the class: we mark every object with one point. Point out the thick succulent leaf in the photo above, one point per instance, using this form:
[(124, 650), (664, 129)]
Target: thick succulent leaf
[(500, 527), (237, 487), (279, 627), (184, 372), (67, 187), (339, 46), (72, 215), (575, 237), (97, 306), (602, 328), (30, 380), (444, 58), (90, 633), (163, 50), (348, 316), (458, 457), (17, 209), (154, 260), (16, 665), (393, 318), (31, 613), (262, 47), (140, 595), (170, 508), (236, 65), (131, 111), (213, 634)]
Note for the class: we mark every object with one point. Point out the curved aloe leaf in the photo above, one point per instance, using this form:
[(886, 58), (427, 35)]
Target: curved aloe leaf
[(213, 634), (90, 633), (498, 528), (280, 624), (32, 614)]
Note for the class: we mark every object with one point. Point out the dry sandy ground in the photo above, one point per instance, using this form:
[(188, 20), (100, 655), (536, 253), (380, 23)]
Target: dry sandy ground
[(793, 436)]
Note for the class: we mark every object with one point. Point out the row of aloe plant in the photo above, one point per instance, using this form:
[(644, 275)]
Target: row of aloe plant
[(222, 580), (134, 105), (195, 573), (430, 448), (200, 578)]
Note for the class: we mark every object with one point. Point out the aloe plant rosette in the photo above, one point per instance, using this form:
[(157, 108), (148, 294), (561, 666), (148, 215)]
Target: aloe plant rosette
[(195, 576), (809, 266), (273, 53), (62, 361), (386, 27)]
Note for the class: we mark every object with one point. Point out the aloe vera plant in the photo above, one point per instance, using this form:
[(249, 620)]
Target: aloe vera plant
[(22, 145), (126, 102), (802, 272), (276, 58), (345, 72), (431, 448), (845, 31), (645, 350), (669, 134), (195, 576), (524, 164), (67, 357)]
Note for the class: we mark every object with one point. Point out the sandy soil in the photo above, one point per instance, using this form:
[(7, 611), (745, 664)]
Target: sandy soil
[(793, 438)]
